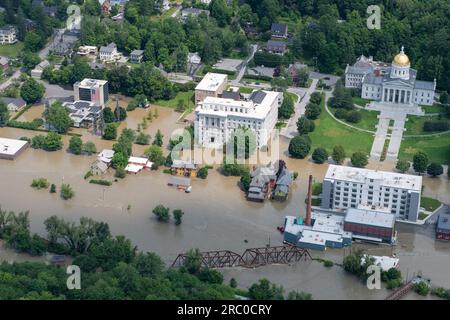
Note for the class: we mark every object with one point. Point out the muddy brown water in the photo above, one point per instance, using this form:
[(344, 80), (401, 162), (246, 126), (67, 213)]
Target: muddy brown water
[(217, 215)]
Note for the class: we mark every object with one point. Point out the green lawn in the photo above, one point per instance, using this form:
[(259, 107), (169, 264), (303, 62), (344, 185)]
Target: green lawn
[(414, 125), (360, 101), (11, 50), (254, 80), (368, 119), (246, 90), (187, 97), (330, 133), (429, 204), (435, 108), (293, 96), (436, 147)]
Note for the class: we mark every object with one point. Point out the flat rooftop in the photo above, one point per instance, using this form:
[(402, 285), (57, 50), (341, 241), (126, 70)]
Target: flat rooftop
[(370, 217), (212, 81), (228, 64), (444, 222), (387, 179), (90, 83), (10, 147)]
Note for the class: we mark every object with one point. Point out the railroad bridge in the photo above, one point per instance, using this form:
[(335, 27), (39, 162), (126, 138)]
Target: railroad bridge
[(250, 258)]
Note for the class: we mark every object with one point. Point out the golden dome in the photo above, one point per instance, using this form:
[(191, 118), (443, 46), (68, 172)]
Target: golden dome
[(401, 59)]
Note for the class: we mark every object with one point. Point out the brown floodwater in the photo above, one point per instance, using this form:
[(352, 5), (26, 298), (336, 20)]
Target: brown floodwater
[(217, 215)]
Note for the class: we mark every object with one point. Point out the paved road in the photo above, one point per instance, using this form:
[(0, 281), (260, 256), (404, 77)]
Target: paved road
[(380, 137), (396, 136), (244, 66), (290, 130), (8, 82)]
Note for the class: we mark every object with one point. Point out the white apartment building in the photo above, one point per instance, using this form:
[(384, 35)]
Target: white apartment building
[(8, 35), (348, 187), (217, 118), (212, 85)]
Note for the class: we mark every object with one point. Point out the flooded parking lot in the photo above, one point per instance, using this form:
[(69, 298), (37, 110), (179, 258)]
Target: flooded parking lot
[(217, 215)]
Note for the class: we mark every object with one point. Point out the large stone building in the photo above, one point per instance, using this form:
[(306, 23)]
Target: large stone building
[(394, 84), (212, 85), (348, 187), (217, 118)]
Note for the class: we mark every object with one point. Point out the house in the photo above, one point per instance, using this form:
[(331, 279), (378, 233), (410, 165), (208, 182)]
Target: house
[(83, 113), (8, 35), (250, 30), (14, 104), (4, 63), (87, 50), (136, 56), (179, 182), (284, 180), (106, 156), (109, 53), (195, 12), (194, 58), (276, 47), (137, 164), (263, 179), (443, 227), (279, 30), (98, 168), (39, 69), (294, 69), (185, 168)]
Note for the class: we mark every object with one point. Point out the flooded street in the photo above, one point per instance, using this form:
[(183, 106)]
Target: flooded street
[(217, 215)]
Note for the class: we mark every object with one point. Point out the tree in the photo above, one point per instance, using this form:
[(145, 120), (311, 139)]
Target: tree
[(158, 139), (305, 126), (422, 288), (264, 290), (444, 98), (320, 155), (67, 191), (33, 42), (287, 107), (89, 148), (155, 155), (119, 160), (143, 139), (4, 114), (202, 173), (110, 132), (148, 264), (193, 261), (420, 162), (57, 117), (359, 159), (161, 213), (177, 216), (30, 60), (435, 169), (108, 115), (75, 145), (112, 251), (338, 154), (245, 180), (32, 91), (295, 295), (402, 166), (120, 113), (299, 147), (312, 111), (52, 142)]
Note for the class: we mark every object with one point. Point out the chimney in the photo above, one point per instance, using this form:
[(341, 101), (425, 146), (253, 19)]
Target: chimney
[(308, 208)]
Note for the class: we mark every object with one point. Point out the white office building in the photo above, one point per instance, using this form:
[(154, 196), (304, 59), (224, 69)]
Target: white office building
[(217, 118), (348, 187), (8, 35)]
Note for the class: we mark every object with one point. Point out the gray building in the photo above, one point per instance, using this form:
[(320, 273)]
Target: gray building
[(136, 56), (348, 187), (276, 47)]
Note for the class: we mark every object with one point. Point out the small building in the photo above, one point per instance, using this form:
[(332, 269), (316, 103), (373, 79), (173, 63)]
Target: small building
[(99, 168), (385, 263), (263, 180), (284, 180), (179, 182), (185, 168), (276, 47), (109, 53), (443, 227), (370, 225), (11, 148), (87, 50), (71, 36), (279, 30), (8, 35), (194, 58), (14, 104), (106, 156), (212, 85), (137, 164), (136, 56), (39, 69)]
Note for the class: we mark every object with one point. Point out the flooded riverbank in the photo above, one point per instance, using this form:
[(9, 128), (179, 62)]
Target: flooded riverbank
[(217, 215)]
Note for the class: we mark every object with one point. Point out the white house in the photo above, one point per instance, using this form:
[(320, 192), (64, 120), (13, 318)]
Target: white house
[(8, 35)]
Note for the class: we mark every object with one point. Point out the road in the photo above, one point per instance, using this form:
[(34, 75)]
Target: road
[(304, 95), (8, 82), (241, 73)]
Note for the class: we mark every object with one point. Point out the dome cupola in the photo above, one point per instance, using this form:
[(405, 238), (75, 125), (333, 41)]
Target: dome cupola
[(400, 65)]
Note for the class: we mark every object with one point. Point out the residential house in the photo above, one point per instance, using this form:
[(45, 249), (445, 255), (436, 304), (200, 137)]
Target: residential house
[(87, 50), (83, 113), (14, 104), (194, 58), (98, 168), (137, 164), (195, 12), (276, 47), (106, 156), (263, 180), (279, 30), (4, 63), (185, 168), (8, 35), (109, 53), (136, 56), (284, 180), (39, 69)]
